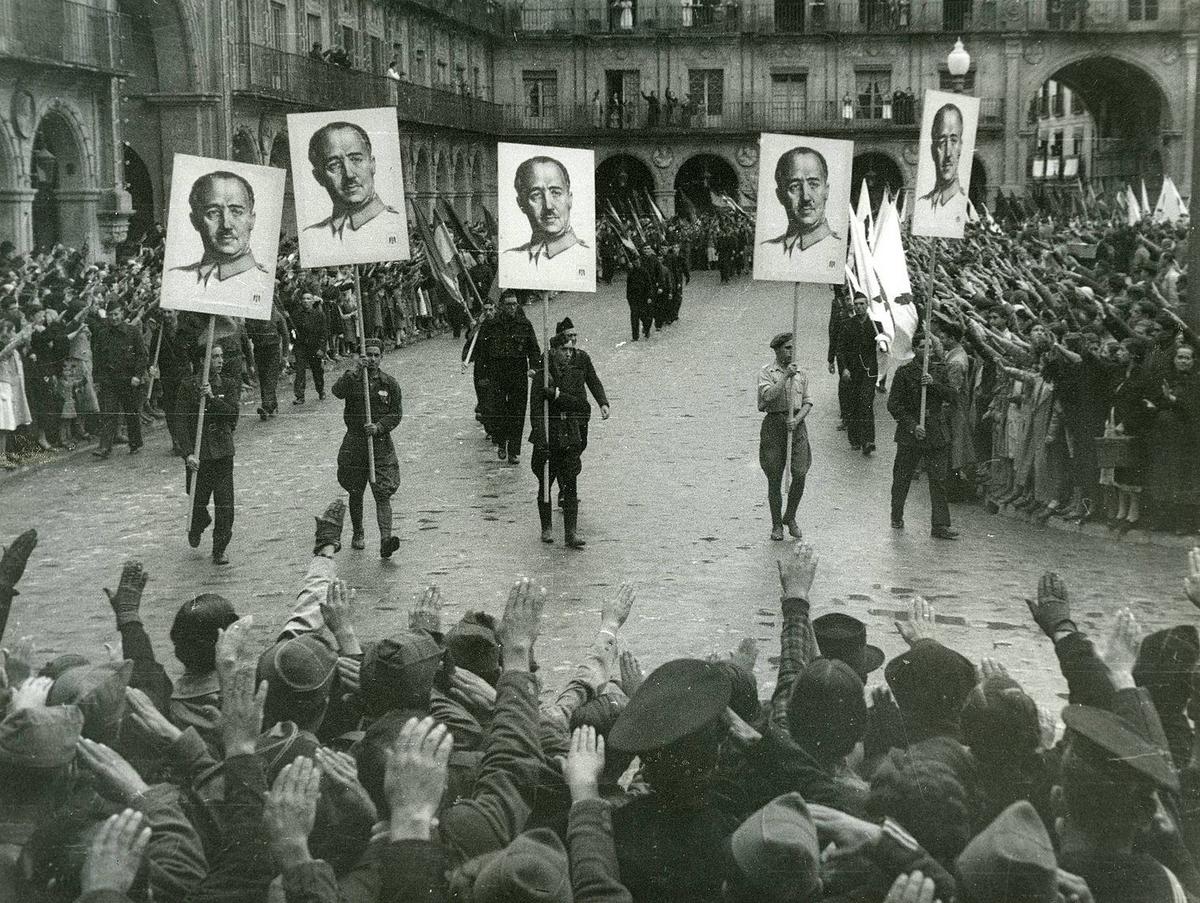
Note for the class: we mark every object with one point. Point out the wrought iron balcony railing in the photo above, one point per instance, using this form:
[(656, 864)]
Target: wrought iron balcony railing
[(60, 31)]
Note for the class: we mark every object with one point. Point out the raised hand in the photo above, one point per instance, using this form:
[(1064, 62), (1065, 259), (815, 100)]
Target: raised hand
[(241, 704), (427, 615), (18, 661), (914, 888), (1052, 610), (584, 763), (1121, 651), (521, 623), (1072, 888), (746, 654), (921, 623), (126, 601), (342, 771), (145, 714), (991, 668), (415, 777), (338, 607), (30, 693), (232, 647), (631, 673), (615, 611), (797, 571), (472, 690), (290, 810), (115, 855), (113, 773), (349, 672)]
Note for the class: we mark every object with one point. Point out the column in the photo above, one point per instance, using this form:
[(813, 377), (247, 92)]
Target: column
[(1185, 166), (1012, 179), (665, 199), (16, 217)]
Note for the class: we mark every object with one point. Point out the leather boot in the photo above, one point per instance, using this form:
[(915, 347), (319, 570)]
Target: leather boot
[(570, 521), (544, 510)]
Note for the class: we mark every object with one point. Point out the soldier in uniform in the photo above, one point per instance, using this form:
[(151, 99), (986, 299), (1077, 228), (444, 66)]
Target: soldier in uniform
[(353, 470), (783, 398), (571, 377), (915, 442), (213, 469), (509, 351), (120, 366)]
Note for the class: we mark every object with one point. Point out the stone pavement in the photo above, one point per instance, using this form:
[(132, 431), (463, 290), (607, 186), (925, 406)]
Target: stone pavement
[(672, 499)]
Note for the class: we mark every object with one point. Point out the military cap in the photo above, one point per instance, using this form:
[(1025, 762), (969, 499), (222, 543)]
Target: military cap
[(1125, 743), (777, 847), (1011, 860), (302, 664), (374, 343), (398, 670), (563, 325), (677, 699), (98, 690)]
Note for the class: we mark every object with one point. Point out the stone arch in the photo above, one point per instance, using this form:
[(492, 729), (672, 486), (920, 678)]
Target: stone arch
[(62, 175), (700, 177), (879, 170), (1133, 110), (176, 30), (623, 179), (245, 148), (462, 186)]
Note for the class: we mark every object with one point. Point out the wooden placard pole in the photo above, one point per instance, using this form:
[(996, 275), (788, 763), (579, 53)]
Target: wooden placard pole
[(154, 365), (791, 412), (930, 301), (545, 386), (362, 350), (204, 372)]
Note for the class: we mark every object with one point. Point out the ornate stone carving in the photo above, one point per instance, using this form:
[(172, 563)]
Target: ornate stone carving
[(747, 155), (24, 112), (1035, 51), (911, 154), (662, 157), (1170, 51)]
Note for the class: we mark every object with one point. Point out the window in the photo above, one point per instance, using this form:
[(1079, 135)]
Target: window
[(1143, 10), (279, 29), (377, 64), (419, 66), (1059, 104), (1076, 143), (946, 81), (312, 25), (707, 89), (1077, 103), (789, 97), (476, 84), (871, 87), (541, 92), (1044, 101), (442, 73), (348, 42)]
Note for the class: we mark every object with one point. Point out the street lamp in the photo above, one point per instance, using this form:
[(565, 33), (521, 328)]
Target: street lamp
[(958, 61)]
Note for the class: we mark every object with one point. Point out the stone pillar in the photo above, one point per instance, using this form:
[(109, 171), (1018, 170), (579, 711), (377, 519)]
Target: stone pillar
[(665, 198), (78, 219), (1012, 178), (16, 217), (115, 213), (1191, 59)]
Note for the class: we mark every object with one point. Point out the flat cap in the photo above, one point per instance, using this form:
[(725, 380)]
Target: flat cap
[(776, 849), (1011, 860), (41, 737), (302, 664), (677, 699), (533, 869), (782, 339)]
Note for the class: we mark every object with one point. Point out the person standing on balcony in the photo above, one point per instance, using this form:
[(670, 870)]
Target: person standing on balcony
[(344, 165), (597, 109), (685, 11), (651, 109), (672, 103), (625, 8)]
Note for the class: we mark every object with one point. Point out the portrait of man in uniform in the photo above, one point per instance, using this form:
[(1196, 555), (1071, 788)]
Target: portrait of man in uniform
[(547, 251), (802, 187), (352, 208), (947, 144), (801, 236), (222, 212), (222, 237)]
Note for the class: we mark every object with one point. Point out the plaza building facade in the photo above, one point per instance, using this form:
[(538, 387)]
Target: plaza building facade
[(97, 95)]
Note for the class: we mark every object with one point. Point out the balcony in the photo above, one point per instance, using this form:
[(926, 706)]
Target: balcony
[(484, 15), (60, 31), (652, 17), (752, 116), (291, 78)]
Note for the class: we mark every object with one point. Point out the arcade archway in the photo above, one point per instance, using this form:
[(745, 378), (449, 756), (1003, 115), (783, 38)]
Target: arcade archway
[(141, 192), (56, 168), (879, 171), (623, 181), (702, 180)]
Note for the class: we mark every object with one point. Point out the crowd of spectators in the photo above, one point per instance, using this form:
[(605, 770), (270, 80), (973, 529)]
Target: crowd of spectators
[(85, 350), (436, 762), (1078, 394)]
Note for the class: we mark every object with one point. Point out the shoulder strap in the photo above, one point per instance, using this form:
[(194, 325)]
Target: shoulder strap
[(1177, 892)]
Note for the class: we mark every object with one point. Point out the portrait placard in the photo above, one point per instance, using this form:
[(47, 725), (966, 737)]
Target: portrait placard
[(547, 221), (349, 187), (947, 147), (803, 208), (222, 237)]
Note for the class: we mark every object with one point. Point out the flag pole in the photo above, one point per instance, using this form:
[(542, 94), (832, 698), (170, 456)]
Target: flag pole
[(545, 387), (929, 304), (362, 349), (193, 475)]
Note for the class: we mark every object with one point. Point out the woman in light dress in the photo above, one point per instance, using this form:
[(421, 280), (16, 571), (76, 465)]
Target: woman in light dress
[(14, 408)]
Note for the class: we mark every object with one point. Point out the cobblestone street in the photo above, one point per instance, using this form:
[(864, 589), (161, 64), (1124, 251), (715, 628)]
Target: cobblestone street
[(672, 499)]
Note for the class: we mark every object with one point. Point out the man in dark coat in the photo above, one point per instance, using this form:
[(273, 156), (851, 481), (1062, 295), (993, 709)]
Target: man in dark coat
[(353, 464), (856, 355), (269, 339), (915, 442), (174, 367), (839, 315), (639, 292), (213, 469), (311, 327), (120, 365), (571, 377), (509, 350)]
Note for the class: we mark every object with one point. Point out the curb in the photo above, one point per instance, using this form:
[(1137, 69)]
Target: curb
[(1101, 531)]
